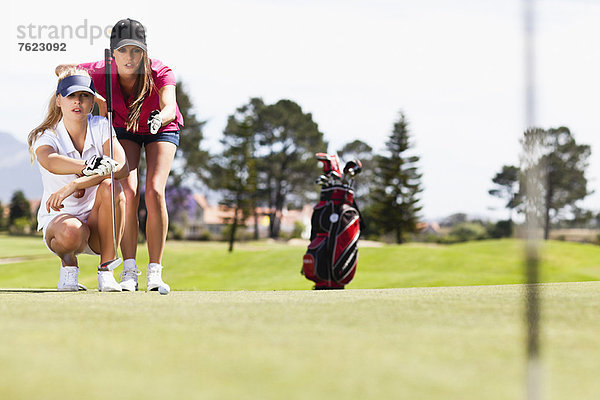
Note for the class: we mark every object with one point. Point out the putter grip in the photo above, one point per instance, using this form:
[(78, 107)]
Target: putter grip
[(108, 79)]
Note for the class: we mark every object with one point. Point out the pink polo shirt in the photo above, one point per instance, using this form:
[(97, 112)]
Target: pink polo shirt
[(162, 76)]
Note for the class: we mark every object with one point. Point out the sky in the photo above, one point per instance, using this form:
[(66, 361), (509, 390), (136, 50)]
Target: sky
[(455, 68)]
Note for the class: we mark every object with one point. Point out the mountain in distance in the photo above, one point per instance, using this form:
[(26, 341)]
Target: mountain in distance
[(16, 170)]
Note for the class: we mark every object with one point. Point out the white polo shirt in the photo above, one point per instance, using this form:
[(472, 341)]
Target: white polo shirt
[(59, 140)]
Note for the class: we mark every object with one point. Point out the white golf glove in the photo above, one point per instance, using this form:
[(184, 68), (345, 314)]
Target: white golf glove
[(154, 121), (99, 165)]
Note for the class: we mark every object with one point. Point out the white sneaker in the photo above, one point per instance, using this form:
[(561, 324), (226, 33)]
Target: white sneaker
[(129, 279), (154, 278), (107, 282), (68, 280)]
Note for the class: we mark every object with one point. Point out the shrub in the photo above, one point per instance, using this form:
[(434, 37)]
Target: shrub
[(468, 231), (20, 226), (501, 229)]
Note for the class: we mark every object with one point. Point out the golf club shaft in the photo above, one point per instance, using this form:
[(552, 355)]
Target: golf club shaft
[(109, 110)]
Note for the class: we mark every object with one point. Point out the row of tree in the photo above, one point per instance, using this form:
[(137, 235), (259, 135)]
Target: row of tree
[(267, 159)]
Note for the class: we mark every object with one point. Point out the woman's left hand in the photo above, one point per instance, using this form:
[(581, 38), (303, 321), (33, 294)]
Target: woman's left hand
[(154, 121), (55, 200)]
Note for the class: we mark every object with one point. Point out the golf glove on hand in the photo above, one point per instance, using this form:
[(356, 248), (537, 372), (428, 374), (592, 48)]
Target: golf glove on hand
[(98, 165), (154, 121)]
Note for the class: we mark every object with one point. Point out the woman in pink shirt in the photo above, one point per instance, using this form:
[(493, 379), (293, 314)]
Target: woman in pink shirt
[(145, 115)]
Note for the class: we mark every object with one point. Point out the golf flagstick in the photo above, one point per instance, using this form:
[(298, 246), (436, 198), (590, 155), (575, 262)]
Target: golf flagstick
[(108, 77)]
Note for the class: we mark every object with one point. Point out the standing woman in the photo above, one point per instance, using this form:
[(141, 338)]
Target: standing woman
[(145, 115)]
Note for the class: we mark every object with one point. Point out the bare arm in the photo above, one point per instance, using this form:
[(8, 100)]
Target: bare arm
[(56, 163), (101, 105), (83, 182), (119, 156), (63, 165), (167, 101)]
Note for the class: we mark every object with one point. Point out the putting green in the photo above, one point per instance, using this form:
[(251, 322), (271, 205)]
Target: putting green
[(420, 343)]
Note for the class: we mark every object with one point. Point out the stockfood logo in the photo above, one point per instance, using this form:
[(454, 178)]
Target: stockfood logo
[(36, 38)]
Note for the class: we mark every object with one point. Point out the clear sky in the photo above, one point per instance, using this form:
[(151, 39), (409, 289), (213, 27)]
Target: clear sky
[(455, 68)]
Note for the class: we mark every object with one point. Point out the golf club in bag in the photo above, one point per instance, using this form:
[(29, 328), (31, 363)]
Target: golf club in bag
[(332, 254)]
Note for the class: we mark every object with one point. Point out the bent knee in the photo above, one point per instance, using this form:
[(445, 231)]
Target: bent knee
[(70, 235), (105, 189)]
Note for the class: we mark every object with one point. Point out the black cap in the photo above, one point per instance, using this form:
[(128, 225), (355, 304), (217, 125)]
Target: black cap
[(128, 32)]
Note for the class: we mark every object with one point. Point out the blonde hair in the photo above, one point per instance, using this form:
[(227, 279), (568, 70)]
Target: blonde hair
[(54, 114), (144, 85)]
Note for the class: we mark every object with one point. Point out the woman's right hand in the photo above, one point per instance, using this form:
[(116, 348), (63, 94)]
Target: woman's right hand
[(55, 200)]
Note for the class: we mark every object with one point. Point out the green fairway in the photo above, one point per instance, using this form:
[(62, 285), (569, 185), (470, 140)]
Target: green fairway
[(260, 338), (276, 266), (421, 343)]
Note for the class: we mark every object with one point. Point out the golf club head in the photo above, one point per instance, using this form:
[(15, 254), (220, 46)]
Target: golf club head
[(322, 180), (353, 167), (331, 164), (111, 265)]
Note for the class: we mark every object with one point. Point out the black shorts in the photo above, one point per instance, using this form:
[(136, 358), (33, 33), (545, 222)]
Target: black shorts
[(143, 139)]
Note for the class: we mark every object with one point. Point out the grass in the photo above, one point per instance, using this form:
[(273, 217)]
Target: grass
[(272, 266), (235, 327), (421, 343)]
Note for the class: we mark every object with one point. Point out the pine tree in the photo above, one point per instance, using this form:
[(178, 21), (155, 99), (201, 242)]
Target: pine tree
[(395, 197)]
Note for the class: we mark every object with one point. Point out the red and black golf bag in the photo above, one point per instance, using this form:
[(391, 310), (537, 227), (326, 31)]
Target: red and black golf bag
[(332, 254)]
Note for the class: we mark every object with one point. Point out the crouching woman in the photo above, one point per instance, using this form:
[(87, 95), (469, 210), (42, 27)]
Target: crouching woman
[(72, 148)]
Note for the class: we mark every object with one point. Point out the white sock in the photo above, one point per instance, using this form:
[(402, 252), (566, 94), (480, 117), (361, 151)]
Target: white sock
[(129, 264), (154, 265)]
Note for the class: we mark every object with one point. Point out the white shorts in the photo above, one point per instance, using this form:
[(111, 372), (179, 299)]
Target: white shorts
[(87, 250)]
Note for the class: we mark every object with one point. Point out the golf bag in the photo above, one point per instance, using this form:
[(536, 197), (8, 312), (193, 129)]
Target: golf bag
[(332, 254)]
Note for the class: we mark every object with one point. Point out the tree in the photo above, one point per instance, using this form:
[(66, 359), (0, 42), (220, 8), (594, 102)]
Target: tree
[(287, 140), (356, 149), (454, 219), (364, 152), (2, 222), (190, 167), (395, 202), (19, 217), (507, 187), (234, 169), (181, 207), (19, 207), (191, 159), (562, 164)]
